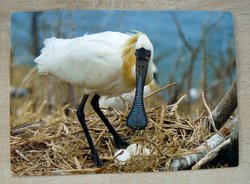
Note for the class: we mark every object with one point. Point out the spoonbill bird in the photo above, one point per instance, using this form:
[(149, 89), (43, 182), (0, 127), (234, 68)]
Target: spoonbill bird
[(103, 64)]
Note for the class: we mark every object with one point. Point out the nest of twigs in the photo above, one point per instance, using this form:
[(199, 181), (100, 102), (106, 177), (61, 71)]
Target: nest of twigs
[(55, 144)]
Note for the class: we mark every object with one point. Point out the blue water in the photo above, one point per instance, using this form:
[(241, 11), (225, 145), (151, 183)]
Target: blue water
[(158, 25)]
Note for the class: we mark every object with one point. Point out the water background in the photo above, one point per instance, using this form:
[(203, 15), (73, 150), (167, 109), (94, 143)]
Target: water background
[(158, 25)]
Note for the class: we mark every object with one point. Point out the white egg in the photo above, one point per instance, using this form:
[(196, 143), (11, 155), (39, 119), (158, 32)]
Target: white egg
[(121, 156), (137, 149)]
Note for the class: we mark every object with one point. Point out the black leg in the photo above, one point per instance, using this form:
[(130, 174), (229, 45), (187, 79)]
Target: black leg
[(118, 140), (81, 117)]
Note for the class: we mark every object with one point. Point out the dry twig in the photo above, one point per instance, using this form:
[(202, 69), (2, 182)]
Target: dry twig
[(211, 120)]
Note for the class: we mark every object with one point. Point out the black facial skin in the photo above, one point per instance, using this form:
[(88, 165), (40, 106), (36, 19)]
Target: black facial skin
[(137, 118), (156, 78)]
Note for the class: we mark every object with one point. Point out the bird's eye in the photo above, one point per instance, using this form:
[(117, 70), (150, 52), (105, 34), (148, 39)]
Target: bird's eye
[(148, 55)]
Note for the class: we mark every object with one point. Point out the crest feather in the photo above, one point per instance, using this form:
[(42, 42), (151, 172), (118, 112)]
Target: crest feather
[(129, 47), (128, 56)]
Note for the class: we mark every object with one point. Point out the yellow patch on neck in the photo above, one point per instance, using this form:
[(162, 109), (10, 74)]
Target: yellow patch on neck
[(129, 59), (153, 86)]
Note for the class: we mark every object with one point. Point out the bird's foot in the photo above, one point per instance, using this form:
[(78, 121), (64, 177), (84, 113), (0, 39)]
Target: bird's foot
[(97, 161), (121, 144)]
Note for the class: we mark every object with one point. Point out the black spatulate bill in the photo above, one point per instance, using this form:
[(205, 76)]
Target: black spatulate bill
[(137, 118)]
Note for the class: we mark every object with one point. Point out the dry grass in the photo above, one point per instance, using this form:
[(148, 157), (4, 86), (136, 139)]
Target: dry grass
[(53, 143)]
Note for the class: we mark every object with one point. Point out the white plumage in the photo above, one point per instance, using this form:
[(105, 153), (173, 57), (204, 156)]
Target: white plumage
[(103, 64), (119, 102), (94, 62)]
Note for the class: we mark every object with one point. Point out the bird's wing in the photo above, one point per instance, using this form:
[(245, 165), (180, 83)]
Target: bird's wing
[(117, 102), (90, 61)]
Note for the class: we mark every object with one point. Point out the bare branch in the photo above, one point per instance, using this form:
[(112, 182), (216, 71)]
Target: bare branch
[(211, 144), (211, 120), (180, 32), (211, 155), (159, 90), (226, 106), (21, 129)]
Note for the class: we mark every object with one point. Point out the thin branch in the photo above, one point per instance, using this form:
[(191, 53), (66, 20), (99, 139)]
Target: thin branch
[(211, 155), (210, 144), (180, 32), (211, 120), (159, 90)]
